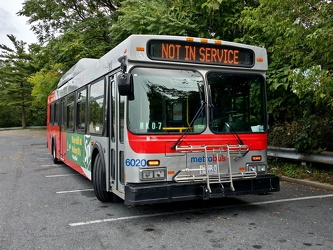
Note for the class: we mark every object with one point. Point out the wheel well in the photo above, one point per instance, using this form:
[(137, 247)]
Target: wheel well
[(93, 157), (52, 144)]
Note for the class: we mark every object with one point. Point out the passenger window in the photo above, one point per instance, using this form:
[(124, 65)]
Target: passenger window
[(96, 108), (70, 113), (81, 109)]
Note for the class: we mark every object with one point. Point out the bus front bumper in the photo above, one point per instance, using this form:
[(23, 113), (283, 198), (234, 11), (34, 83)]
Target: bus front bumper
[(163, 192)]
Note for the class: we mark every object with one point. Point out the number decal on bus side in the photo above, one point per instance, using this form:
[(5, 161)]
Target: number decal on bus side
[(136, 162)]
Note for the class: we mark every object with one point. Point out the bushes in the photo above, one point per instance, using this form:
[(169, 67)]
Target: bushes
[(311, 134), (10, 116)]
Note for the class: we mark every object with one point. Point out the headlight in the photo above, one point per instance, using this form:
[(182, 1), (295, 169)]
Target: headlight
[(259, 168), (152, 174)]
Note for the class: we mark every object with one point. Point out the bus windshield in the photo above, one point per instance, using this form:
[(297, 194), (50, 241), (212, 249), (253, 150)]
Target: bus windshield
[(237, 102), (167, 101)]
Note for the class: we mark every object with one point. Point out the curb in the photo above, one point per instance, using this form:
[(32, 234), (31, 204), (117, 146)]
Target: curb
[(308, 183), (20, 128)]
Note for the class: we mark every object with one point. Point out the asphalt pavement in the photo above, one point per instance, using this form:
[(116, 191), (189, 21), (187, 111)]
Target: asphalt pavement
[(50, 206)]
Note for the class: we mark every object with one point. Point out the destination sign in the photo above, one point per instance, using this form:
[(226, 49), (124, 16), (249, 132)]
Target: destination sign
[(182, 51)]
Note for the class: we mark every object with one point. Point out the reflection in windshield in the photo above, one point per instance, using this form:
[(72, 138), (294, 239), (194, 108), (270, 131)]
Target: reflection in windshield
[(166, 101), (237, 102)]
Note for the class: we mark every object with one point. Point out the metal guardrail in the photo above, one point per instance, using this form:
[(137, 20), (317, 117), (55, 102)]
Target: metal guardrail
[(324, 157)]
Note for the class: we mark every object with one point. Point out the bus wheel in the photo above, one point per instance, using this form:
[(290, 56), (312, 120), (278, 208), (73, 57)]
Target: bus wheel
[(55, 159), (99, 181)]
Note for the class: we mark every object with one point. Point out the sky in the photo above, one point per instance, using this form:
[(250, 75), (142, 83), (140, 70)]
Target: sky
[(10, 23)]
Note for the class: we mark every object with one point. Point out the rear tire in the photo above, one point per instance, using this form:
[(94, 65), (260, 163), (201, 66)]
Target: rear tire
[(99, 181)]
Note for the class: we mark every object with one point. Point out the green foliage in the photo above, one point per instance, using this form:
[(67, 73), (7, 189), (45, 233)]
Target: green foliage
[(73, 30), (306, 135), (10, 116), (16, 66), (314, 85), (50, 18), (155, 17), (200, 18), (44, 82), (311, 137), (287, 169), (299, 37), (281, 134), (314, 172)]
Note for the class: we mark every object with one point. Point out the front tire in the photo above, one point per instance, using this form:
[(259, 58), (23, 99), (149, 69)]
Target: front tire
[(55, 159), (99, 181)]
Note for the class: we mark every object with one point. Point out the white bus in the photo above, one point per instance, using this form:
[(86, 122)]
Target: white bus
[(165, 118)]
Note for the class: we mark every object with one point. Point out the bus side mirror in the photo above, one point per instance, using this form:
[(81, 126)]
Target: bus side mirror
[(125, 84)]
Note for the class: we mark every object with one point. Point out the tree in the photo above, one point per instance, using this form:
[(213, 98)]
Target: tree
[(299, 37), (199, 18), (16, 67), (50, 18), (71, 30)]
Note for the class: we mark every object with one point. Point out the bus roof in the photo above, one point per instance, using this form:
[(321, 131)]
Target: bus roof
[(144, 48), (80, 66)]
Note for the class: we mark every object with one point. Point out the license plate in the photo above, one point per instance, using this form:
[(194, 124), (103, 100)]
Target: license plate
[(212, 169)]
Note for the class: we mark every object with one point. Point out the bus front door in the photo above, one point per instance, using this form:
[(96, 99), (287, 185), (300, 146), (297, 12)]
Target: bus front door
[(117, 119)]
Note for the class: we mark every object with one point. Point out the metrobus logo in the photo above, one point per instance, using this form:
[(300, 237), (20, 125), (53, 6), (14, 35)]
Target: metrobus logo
[(213, 158)]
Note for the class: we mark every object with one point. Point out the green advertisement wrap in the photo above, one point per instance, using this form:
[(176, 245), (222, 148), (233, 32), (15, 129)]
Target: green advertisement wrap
[(78, 149)]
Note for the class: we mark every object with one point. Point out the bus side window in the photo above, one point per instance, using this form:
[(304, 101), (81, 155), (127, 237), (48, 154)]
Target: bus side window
[(51, 114), (57, 113), (96, 107), (64, 114), (70, 113), (81, 110)]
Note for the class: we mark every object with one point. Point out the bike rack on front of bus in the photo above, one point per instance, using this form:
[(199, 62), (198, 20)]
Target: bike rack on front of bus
[(203, 174)]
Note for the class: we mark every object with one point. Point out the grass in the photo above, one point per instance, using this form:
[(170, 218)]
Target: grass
[(314, 172)]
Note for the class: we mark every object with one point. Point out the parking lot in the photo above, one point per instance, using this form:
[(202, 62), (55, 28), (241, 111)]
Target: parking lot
[(48, 206)]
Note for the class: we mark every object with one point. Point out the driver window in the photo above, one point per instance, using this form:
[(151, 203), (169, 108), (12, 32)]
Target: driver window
[(237, 102)]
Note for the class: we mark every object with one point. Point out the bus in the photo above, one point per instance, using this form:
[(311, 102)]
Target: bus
[(162, 119)]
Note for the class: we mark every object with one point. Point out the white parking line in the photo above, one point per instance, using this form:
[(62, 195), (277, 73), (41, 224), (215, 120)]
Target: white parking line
[(193, 210), (60, 175), (74, 191), (293, 199), (51, 165)]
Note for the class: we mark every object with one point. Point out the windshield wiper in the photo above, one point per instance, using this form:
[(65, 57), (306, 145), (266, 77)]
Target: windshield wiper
[(232, 130), (234, 133), (199, 112)]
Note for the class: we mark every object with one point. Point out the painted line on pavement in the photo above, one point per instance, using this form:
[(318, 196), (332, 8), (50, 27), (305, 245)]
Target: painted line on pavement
[(194, 210), (51, 165), (293, 199), (60, 175), (74, 191)]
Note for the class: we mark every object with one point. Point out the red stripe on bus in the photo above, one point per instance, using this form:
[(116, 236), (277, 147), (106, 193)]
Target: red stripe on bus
[(157, 144)]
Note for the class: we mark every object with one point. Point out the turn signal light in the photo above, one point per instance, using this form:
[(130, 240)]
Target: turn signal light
[(153, 163), (256, 158)]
